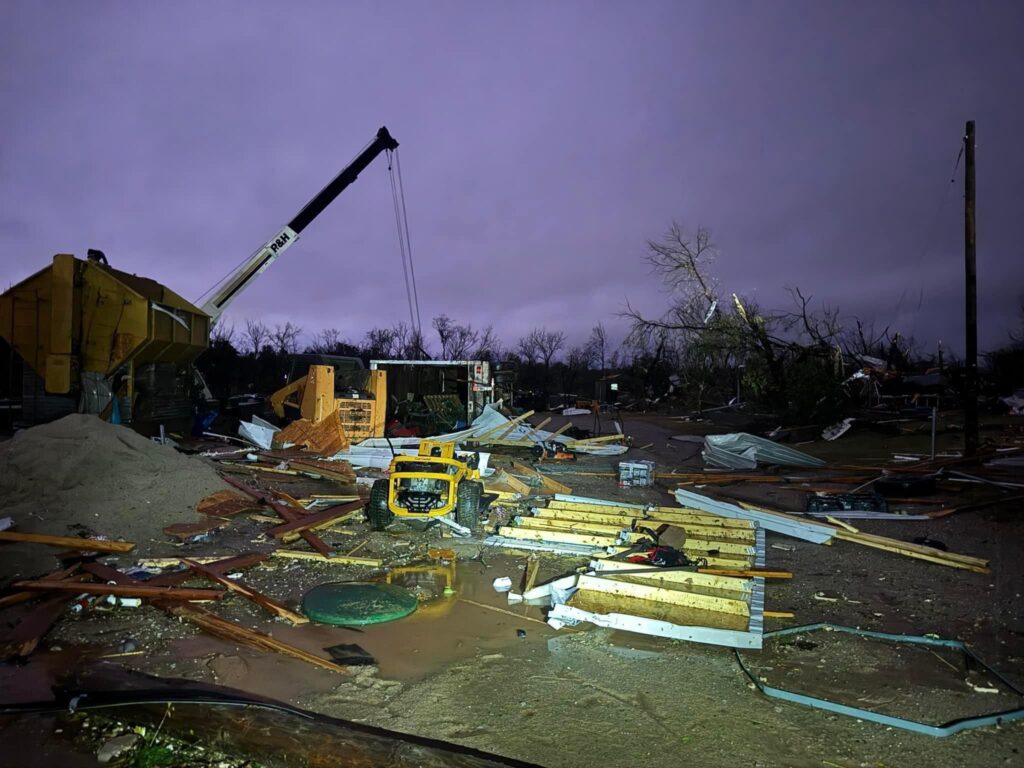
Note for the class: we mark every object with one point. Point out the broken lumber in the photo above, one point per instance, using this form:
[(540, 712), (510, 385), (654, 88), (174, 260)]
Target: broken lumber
[(20, 597), (186, 531), (529, 435), (917, 551), (121, 590), (747, 573), (546, 483), (266, 603), (217, 562), (503, 479), (24, 638), (225, 504), (288, 514), (334, 559), (339, 471), (229, 630), (221, 566), (821, 533), (69, 542), (210, 622), (314, 519), (505, 428)]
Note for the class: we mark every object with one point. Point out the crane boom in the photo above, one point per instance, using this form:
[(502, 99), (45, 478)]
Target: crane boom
[(279, 243)]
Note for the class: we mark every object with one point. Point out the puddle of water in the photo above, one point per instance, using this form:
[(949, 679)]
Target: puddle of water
[(442, 630)]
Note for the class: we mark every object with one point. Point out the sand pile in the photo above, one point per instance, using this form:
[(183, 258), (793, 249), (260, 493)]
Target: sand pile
[(82, 476)]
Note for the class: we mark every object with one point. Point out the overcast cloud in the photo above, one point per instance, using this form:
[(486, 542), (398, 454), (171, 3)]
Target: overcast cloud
[(541, 144)]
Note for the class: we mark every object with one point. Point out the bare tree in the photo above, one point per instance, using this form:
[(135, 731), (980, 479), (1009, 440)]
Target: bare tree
[(488, 346), (456, 340), (409, 343), (549, 343), (286, 338), (597, 347), (528, 347), (380, 343), (223, 334), (577, 362), (327, 342), (255, 337), (541, 345)]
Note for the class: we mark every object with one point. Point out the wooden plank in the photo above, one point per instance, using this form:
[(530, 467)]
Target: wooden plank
[(561, 430), (613, 586), (703, 522), (908, 549), (673, 576), (229, 630), (338, 474), (218, 564), (329, 515), (289, 515), (32, 628), (20, 597), (747, 573), (68, 542), (225, 504), (332, 525), (529, 435), (239, 466), (657, 514), (573, 526), (333, 560), (503, 478), (185, 531), (266, 603), (504, 427), (553, 486), (841, 524), (595, 440), (711, 532), (915, 551), (122, 590), (561, 537), (532, 567)]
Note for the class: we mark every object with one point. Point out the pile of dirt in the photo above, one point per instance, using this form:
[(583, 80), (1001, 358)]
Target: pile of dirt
[(83, 476)]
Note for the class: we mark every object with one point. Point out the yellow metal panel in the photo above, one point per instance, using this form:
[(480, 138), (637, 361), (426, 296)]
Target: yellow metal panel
[(318, 394), (58, 374), (377, 384), (62, 290)]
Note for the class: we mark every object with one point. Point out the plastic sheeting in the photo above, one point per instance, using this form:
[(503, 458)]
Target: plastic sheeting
[(740, 450), (798, 529), (491, 421)]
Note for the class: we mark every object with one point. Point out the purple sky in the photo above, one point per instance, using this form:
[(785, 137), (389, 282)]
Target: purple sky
[(542, 144)]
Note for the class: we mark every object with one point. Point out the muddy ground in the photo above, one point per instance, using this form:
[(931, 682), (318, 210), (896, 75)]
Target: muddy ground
[(587, 696)]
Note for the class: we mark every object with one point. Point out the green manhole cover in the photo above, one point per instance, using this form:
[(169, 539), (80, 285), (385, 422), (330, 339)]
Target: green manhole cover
[(355, 603)]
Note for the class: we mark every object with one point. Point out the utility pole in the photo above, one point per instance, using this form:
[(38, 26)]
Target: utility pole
[(971, 285)]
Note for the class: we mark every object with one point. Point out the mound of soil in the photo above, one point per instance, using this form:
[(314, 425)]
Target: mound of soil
[(83, 476)]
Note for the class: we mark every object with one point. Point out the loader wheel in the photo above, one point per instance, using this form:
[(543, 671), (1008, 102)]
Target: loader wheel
[(467, 503), (377, 511)]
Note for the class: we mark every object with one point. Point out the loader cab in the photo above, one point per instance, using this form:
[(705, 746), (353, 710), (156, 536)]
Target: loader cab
[(351, 378)]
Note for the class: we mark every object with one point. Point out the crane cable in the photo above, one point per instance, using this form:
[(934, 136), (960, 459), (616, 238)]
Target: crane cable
[(408, 242), (404, 245)]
